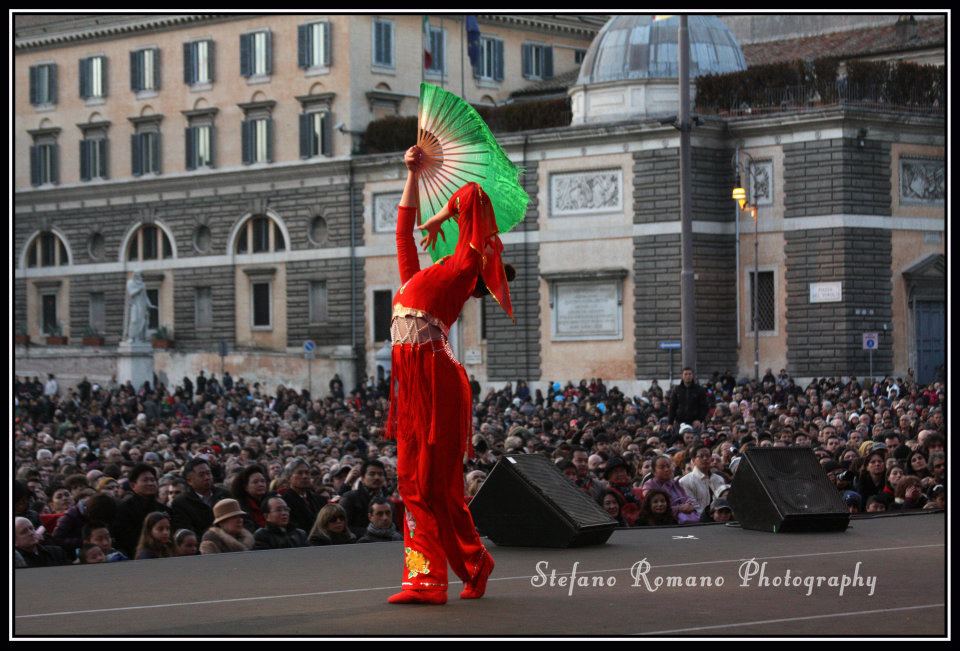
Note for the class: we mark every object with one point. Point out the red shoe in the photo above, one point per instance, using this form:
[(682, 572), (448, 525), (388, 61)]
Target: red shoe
[(478, 585), (419, 597)]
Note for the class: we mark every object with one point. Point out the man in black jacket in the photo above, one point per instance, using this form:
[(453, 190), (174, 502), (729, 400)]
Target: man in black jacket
[(357, 502), (689, 401), (27, 545), (133, 510), (194, 508), (279, 533), (304, 502)]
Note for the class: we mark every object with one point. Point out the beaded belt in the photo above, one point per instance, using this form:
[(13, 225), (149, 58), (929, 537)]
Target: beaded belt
[(411, 326)]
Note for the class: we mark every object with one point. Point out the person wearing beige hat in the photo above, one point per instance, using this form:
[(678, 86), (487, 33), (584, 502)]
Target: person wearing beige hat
[(227, 534)]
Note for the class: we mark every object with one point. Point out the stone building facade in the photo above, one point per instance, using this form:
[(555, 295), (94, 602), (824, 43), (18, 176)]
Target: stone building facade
[(851, 221)]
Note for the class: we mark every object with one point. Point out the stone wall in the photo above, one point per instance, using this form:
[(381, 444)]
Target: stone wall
[(827, 338), (832, 177), (513, 350), (113, 287), (220, 280), (656, 270)]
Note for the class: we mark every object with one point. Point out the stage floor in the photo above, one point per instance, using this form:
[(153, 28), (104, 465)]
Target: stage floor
[(342, 591)]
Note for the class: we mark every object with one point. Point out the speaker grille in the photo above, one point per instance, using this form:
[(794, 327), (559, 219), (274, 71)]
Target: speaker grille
[(548, 481), (795, 480)]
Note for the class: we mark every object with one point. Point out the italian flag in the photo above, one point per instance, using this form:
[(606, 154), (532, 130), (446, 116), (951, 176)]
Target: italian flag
[(427, 51)]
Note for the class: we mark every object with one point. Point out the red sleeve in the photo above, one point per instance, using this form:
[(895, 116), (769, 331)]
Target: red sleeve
[(407, 258)]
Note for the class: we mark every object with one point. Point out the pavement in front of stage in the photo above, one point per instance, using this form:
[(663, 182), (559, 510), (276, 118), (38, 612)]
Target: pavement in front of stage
[(342, 591)]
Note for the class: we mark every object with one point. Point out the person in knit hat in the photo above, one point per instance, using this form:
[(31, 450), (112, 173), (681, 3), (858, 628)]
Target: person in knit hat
[(227, 534)]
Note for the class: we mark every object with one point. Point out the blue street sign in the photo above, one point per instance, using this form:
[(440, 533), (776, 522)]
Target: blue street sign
[(309, 346), (669, 345)]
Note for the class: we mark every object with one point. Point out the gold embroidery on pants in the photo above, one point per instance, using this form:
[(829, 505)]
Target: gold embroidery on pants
[(416, 563)]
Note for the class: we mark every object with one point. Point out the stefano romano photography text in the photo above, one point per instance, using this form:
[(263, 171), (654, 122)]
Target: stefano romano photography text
[(750, 574)]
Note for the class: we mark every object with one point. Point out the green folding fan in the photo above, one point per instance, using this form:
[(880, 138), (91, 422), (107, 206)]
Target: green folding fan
[(458, 147)]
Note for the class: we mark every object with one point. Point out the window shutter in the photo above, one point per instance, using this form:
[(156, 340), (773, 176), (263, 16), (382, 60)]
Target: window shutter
[(84, 160), (303, 46), (135, 71), (304, 135), (270, 140), (388, 43), (84, 78), (34, 166), (54, 167), (211, 65), (327, 50), (135, 154), (156, 68), (527, 64), (245, 140), (52, 81), (189, 135), (213, 145), (326, 143), (547, 62), (156, 153), (269, 46), (189, 63), (33, 85), (245, 52), (102, 145), (103, 75), (498, 60)]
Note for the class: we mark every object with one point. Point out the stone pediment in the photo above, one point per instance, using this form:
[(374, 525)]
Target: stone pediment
[(930, 268)]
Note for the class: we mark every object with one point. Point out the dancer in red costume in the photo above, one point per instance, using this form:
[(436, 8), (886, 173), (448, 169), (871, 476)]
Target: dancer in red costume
[(430, 399)]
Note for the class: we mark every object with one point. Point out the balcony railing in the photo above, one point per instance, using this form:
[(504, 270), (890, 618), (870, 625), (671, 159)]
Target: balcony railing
[(811, 98)]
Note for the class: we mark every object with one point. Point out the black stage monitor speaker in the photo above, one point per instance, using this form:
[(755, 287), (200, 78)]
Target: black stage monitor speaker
[(527, 502), (785, 490)]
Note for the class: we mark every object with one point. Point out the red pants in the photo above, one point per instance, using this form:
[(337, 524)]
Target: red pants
[(438, 527)]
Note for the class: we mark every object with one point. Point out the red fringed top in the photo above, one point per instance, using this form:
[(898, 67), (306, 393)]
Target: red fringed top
[(442, 289)]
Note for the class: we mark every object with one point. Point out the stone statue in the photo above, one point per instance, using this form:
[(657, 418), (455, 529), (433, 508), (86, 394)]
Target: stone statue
[(138, 306)]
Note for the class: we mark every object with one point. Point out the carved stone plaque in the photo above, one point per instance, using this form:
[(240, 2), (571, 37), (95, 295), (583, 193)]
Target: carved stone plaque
[(761, 183), (589, 310), (385, 212), (586, 193), (922, 181)]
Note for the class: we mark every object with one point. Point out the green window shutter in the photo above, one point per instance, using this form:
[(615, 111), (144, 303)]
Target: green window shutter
[(270, 140), (135, 154), (84, 78), (34, 80), (327, 50), (136, 83), (547, 62), (245, 55), (104, 169), (327, 141), (303, 46), (189, 63), (34, 165), (305, 135), (52, 83), (85, 160), (189, 135), (245, 141)]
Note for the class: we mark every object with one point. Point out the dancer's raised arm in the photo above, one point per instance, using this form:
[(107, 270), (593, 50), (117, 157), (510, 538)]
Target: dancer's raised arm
[(407, 259)]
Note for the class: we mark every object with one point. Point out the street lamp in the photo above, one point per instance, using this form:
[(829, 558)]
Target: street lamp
[(740, 195)]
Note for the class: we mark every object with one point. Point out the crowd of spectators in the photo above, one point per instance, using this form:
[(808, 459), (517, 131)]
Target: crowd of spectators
[(110, 473)]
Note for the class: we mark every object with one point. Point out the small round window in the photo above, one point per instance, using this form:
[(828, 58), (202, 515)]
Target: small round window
[(318, 231), (201, 239)]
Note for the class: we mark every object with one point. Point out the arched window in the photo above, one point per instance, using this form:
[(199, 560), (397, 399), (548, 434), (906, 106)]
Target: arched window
[(47, 250), (260, 234), (150, 242)]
